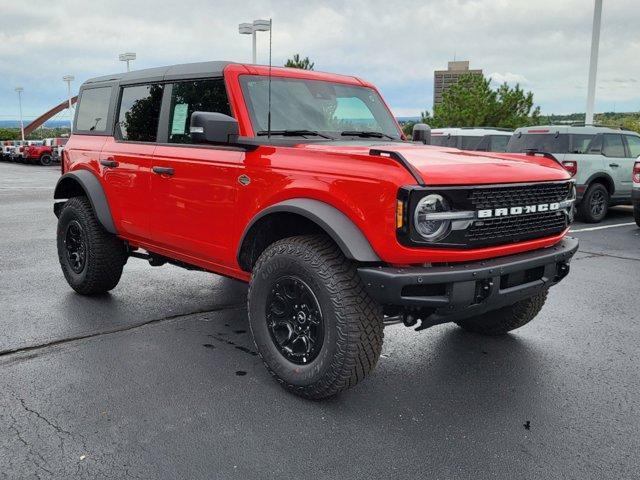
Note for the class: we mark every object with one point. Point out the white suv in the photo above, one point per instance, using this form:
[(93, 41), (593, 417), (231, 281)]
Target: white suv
[(468, 138), (600, 159)]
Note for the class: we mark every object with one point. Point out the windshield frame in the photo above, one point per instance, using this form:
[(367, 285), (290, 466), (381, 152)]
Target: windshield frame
[(334, 135)]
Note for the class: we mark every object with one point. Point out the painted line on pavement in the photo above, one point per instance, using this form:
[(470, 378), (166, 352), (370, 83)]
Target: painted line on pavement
[(591, 229)]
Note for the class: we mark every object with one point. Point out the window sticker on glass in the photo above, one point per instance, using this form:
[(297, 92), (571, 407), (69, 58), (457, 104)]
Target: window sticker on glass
[(179, 118)]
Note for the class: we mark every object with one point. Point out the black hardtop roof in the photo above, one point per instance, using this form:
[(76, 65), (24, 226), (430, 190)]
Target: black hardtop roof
[(159, 74)]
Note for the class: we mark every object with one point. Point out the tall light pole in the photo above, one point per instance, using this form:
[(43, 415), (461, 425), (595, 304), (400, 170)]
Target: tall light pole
[(251, 29), (68, 79), (20, 90), (127, 57), (593, 62)]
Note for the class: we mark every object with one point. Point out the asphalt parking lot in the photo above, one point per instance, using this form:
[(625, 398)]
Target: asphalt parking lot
[(159, 378)]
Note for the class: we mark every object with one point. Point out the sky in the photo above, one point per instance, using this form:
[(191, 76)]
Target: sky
[(543, 45)]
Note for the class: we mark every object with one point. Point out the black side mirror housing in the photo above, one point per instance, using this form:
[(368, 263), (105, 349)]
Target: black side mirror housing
[(213, 127), (421, 133)]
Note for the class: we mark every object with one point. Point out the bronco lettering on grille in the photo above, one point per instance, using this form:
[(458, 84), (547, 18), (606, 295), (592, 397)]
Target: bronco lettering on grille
[(507, 212)]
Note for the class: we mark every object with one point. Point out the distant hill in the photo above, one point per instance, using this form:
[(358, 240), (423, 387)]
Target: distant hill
[(49, 124)]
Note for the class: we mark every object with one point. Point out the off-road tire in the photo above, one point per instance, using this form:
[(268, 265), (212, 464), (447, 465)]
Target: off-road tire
[(46, 160), (505, 319), (584, 209), (105, 253), (353, 328)]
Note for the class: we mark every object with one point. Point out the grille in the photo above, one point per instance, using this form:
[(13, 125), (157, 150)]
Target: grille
[(517, 228), (519, 195)]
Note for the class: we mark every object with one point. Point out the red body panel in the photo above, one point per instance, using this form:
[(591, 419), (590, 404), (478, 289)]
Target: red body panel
[(199, 214), (34, 152)]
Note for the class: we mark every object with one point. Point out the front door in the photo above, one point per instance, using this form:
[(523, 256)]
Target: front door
[(194, 187)]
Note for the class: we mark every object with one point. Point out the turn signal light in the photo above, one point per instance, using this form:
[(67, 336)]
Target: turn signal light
[(399, 214), (571, 166), (636, 173)]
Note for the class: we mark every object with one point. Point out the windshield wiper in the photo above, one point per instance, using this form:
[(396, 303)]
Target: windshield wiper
[(366, 133), (293, 133)]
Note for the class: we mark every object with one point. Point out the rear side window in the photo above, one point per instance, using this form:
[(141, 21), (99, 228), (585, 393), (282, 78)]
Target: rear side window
[(139, 113), (196, 96), (612, 146), (633, 142), (580, 142), (541, 142), (93, 109), (499, 143)]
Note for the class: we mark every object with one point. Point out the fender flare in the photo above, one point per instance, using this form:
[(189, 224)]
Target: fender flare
[(596, 176), (93, 190), (336, 224)]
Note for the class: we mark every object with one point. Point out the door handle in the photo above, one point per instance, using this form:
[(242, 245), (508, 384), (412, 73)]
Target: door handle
[(163, 170), (108, 162), (614, 165)]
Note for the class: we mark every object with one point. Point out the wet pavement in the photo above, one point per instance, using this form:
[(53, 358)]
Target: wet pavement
[(158, 379)]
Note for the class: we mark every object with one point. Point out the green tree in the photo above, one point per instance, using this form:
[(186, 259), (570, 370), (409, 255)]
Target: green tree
[(297, 62), (473, 103), (9, 133)]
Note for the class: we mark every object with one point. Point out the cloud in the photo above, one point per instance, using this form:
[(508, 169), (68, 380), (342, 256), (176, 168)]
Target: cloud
[(397, 45), (508, 77)]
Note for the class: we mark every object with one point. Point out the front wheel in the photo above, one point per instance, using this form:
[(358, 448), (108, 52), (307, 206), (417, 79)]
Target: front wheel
[(91, 258), (505, 319), (595, 203), (315, 327)]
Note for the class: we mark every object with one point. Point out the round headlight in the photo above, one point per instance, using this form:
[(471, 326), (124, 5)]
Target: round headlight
[(429, 228)]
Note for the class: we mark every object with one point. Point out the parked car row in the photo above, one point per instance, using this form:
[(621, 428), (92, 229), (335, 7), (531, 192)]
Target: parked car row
[(600, 159), (45, 152)]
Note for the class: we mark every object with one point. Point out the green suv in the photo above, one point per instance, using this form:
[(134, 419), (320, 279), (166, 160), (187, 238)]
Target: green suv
[(600, 159)]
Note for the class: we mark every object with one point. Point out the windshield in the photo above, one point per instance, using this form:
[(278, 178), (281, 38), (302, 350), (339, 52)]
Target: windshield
[(317, 106), (550, 142)]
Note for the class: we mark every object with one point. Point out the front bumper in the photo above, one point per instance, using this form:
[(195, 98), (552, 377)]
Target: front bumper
[(462, 290)]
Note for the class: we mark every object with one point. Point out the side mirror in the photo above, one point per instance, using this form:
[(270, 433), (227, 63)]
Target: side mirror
[(421, 133), (213, 127)]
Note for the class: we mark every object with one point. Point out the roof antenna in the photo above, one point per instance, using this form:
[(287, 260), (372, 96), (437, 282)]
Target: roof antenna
[(269, 109)]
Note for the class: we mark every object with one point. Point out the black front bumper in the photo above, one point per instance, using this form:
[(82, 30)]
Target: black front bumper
[(467, 289)]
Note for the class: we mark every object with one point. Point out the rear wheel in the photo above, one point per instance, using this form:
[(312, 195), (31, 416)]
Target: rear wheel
[(315, 327), (91, 258), (636, 213), (46, 160), (503, 320), (595, 203)]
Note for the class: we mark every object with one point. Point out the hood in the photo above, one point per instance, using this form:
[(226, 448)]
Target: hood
[(450, 166)]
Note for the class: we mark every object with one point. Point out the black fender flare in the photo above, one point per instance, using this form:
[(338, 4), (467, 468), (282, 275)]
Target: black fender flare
[(67, 187), (336, 224), (582, 188)]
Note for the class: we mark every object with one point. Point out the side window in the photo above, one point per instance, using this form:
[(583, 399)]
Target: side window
[(499, 143), (93, 109), (633, 142), (139, 113), (612, 146), (194, 96)]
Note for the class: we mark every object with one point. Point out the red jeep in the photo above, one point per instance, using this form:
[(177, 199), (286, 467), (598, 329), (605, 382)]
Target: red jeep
[(301, 183)]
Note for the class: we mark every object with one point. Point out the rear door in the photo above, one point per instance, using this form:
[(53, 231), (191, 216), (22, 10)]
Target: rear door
[(125, 159), (194, 187), (613, 149)]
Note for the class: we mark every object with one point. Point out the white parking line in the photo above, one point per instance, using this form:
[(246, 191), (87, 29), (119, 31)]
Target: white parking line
[(602, 227)]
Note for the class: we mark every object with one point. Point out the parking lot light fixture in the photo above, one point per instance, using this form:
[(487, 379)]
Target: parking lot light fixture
[(127, 57), (19, 90), (251, 29)]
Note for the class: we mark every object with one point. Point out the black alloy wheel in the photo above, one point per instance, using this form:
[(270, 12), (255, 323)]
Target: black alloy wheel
[(76, 246), (294, 319), (598, 203)]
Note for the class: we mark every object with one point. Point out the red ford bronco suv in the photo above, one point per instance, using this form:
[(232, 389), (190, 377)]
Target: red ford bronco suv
[(301, 183)]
